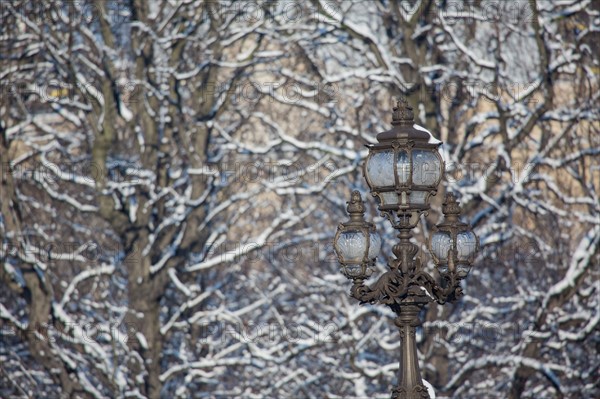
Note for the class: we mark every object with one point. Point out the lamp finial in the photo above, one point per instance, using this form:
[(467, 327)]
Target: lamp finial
[(403, 113), (356, 205)]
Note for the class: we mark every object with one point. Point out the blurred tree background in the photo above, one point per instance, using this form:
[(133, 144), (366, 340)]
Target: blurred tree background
[(173, 173)]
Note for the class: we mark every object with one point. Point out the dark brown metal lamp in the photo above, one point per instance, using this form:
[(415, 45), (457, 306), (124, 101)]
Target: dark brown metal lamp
[(403, 170)]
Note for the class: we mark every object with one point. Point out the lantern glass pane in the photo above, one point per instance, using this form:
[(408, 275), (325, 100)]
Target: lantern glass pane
[(390, 198), (374, 245), (466, 243), (418, 197), (352, 246), (380, 169), (441, 243), (426, 168), (403, 167)]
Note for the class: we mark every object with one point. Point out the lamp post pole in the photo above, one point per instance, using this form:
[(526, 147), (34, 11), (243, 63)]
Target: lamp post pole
[(403, 170)]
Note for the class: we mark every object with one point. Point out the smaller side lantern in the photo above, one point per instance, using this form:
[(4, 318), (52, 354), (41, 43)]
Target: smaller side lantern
[(453, 244), (356, 241)]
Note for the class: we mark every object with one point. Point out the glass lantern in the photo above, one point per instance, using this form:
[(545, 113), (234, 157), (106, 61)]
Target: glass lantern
[(404, 168), (453, 244), (356, 241)]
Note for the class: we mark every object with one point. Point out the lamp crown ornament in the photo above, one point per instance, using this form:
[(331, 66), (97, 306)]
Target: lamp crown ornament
[(403, 171), (356, 206), (402, 113), (450, 205)]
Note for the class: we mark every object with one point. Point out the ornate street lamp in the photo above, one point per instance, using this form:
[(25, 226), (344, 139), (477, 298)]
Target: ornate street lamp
[(403, 170)]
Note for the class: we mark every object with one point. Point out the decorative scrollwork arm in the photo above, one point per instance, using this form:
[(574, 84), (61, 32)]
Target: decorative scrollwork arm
[(390, 288)]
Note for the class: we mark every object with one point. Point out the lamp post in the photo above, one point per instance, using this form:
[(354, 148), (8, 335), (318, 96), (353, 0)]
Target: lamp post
[(403, 170)]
